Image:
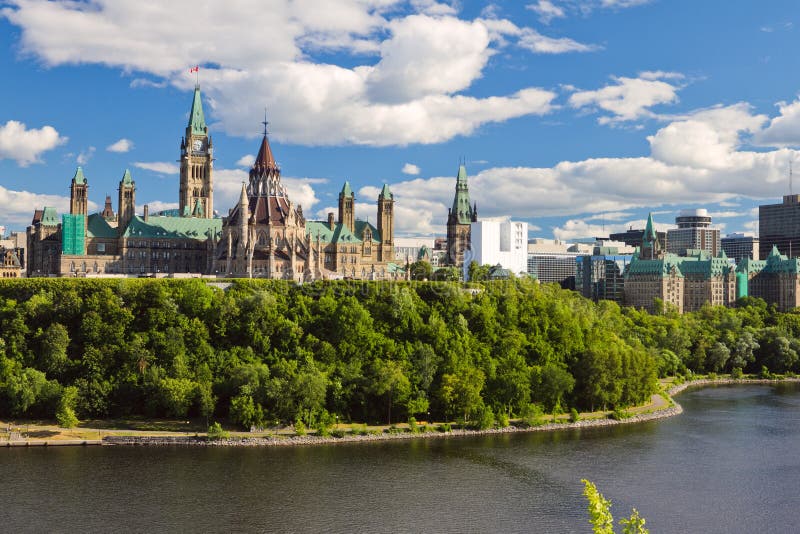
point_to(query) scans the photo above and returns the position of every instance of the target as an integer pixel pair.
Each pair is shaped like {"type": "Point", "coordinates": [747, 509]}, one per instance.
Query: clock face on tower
{"type": "Point", "coordinates": [197, 145]}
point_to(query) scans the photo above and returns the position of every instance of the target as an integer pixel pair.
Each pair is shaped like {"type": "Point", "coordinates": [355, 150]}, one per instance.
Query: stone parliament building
{"type": "Point", "coordinates": [265, 235]}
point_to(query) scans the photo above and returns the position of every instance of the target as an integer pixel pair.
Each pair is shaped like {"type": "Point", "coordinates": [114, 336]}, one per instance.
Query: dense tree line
{"type": "Point", "coordinates": [264, 351]}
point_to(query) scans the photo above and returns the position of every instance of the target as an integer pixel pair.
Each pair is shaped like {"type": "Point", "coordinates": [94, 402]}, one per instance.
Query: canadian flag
{"type": "Point", "coordinates": [196, 68]}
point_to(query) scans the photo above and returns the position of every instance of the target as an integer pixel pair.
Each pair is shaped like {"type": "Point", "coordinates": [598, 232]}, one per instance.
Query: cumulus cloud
{"type": "Point", "coordinates": [246, 161]}
{"type": "Point", "coordinates": [408, 89]}
{"type": "Point", "coordinates": [698, 159]}
{"type": "Point", "coordinates": [18, 206]}
{"type": "Point", "coordinates": [410, 168]}
{"type": "Point", "coordinates": [783, 130]}
{"type": "Point", "coordinates": [580, 228]}
{"type": "Point", "coordinates": [121, 146]}
{"type": "Point", "coordinates": [25, 146]}
{"type": "Point", "coordinates": [628, 99]}
{"type": "Point", "coordinates": [158, 167]}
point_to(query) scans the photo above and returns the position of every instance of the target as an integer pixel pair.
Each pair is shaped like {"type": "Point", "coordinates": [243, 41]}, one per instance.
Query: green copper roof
{"type": "Point", "coordinates": [462, 173]}
{"type": "Point", "coordinates": [126, 178]}
{"type": "Point", "coordinates": [49, 216]}
{"type": "Point", "coordinates": [96, 226]}
{"type": "Point", "coordinates": [340, 233]}
{"type": "Point", "coordinates": [79, 178]}
{"type": "Point", "coordinates": [661, 267]}
{"type": "Point", "coordinates": [385, 192]}
{"type": "Point", "coordinates": [346, 191]}
{"type": "Point", "coordinates": [461, 206]}
{"type": "Point", "coordinates": [197, 121]}
{"type": "Point", "coordinates": [650, 235]}
{"type": "Point", "coordinates": [173, 227]}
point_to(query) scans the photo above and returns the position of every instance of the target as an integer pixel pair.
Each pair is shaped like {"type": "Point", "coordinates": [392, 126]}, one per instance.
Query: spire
{"type": "Point", "coordinates": [197, 120]}
{"type": "Point", "coordinates": [346, 191]}
{"type": "Point", "coordinates": [126, 178]}
{"type": "Point", "coordinates": [462, 210]}
{"type": "Point", "coordinates": [650, 235]}
{"type": "Point", "coordinates": [243, 196]}
{"type": "Point", "coordinates": [79, 178]}
{"type": "Point", "coordinates": [385, 192]}
{"type": "Point", "coordinates": [265, 159]}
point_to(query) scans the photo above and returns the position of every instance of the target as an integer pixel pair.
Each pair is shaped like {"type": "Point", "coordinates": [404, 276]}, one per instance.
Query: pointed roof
{"type": "Point", "coordinates": [265, 159]}
{"type": "Point", "coordinates": [79, 178]}
{"type": "Point", "coordinates": [650, 235]}
{"type": "Point", "coordinates": [126, 178]}
{"type": "Point", "coordinates": [197, 120]}
{"type": "Point", "coordinates": [385, 192]}
{"type": "Point", "coordinates": [462, 173]}
{"type": "Point", "coordinates": [462, 208]}
{"type": "Point", "coordinates": [346, 191]}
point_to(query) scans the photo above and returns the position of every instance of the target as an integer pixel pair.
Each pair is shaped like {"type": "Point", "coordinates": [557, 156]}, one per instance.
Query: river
{"type": "Point", "coordinates": [728, 464]}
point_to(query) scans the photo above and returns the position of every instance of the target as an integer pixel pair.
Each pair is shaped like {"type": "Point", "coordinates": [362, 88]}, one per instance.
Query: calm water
{"type": "Point", "coordinates": [730, 463]}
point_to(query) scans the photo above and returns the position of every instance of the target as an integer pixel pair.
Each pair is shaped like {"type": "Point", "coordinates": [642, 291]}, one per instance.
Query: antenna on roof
{"type": "Point", "coordinates": [265, 123]}
{"type": "Point", "coordinates": [791, 192]}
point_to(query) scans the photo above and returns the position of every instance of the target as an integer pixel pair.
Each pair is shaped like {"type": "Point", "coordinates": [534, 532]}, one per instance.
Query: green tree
{"type": "Point", "coordinates": [65, 414]}
{"type": "Point", "coordinates": [461, 391]}
{"type": "Point", "coordinates": [391, 382]}
{"type": "Point", "coordinates": [600, 514]}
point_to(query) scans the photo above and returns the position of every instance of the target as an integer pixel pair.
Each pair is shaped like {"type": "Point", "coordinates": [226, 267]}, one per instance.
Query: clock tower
{"type": "Point", "coordinates": [196, 192]}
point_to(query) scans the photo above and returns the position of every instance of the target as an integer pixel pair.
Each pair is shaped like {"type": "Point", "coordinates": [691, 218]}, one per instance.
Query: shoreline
{"type": "Point", "coordinates": [671, 409]}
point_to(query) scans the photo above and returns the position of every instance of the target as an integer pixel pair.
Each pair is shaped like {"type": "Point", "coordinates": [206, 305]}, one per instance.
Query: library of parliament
{"type": "Point", "coordinates": [264, 235]}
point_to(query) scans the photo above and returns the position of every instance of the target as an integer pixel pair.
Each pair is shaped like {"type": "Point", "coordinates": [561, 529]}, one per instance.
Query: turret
{"type": "Point", "coordinates": [127, 200]}
{"type": "Point", "coordinates": [386, 223]}
{"type": "Point", "coordinates": [347, 202]}
{"type": "Point", "coordinates": [78, 194]}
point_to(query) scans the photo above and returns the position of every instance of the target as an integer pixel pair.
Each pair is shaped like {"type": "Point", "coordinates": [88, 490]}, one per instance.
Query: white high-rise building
{"type": "Point", "coordinates": [498, 242]}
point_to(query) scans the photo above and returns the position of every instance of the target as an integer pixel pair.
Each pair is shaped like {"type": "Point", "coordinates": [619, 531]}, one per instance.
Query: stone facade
{"type": "Point", "coordinates": [459, 219]}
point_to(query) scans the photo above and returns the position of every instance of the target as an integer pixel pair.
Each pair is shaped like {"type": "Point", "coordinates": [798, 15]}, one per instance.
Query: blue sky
{"type": "Point", "coordinates": [576, 116]}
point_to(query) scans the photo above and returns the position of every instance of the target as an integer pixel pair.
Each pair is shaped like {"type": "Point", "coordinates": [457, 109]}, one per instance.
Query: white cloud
{"type": "Point", "coordinates": [410, 168]}
{"type": "Point", "coordinates": [18, 206]}
{"type": "Point", "coordinates": [25, 146]}
{"type": "Point", "coordinates": [628, 99]}
{"type": "Point", "coordinates": [158, 205]}
{"type": "Point", "coordinates": [246, 161]}
{"type": "Point", "coordinates": [783, 130]}
{"type": "Point", "coordinates": [580, 228]}
{"type": "Point", "coordinates": [85, 155]}
{"type": "Point", "coordinates": [547, 11]}
{"type": "Point", "coordinates": [696, 160]}
{"type": "Point", "coordinates": [411, 93]}
{"type": "Point", "coordinates": [541, 44]}
{"type": "Point", "coordinates": [609, 216]}
{"type": "Point", "coordinates": [121, 146]}
{"type": "Point", "coordinates": [159, 167]}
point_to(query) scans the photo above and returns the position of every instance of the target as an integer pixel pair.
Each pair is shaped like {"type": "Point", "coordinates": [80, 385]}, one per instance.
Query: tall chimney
{"type": "Point", "coordinates": [331, 222]}
{"type": "Point", "coordinates": [146, 212]}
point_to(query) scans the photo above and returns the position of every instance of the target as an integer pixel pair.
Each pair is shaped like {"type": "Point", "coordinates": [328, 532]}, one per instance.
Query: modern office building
{"type": "Point", "coordinates": [553, 261]}
{"type": "Point", "coordinates": [693, 233]}
{"type": "Point", "coordinates": [601, 275]}
{"type": "Point", "coordinates": [779, 226]}
{"type": "Point", "coordinates": [740, 246]}
{"type": "Point", "coordinates": [498, 242]}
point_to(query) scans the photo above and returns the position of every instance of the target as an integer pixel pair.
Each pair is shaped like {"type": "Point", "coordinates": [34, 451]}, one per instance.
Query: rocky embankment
{"type": "Point", "coordinates": [284, 441]}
